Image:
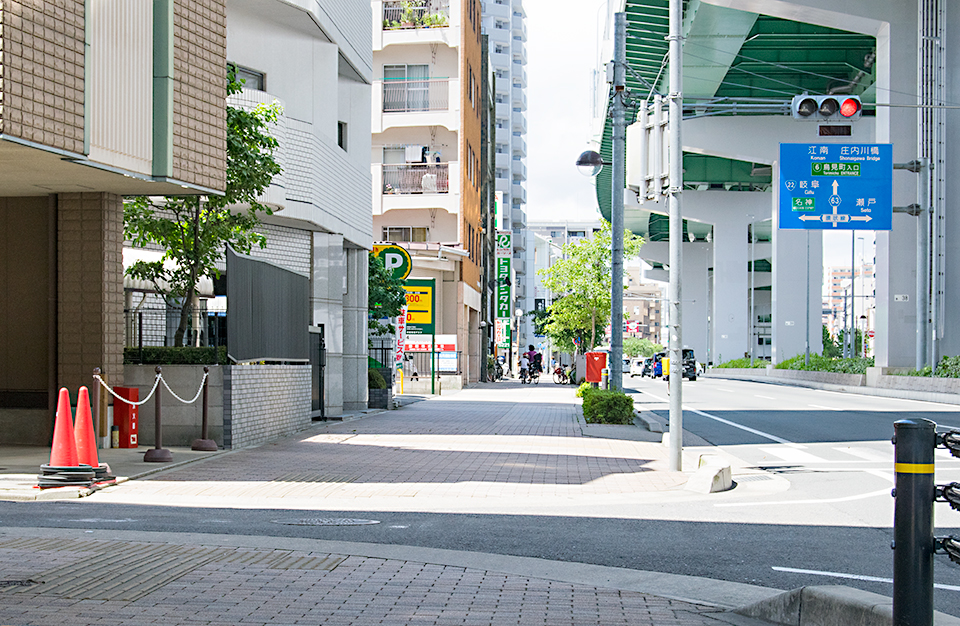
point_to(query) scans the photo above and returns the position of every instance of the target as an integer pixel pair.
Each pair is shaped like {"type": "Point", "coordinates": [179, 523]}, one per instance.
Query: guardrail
{"type": "Point", "coordinates": [407, 95]}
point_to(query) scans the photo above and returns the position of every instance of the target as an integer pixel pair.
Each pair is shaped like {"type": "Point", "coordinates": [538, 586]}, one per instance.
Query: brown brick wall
{"type": "Point", "coordinates": [90, 288]}
{"type": "Point", "coordinates": [470, 64]}
{"type": "Point", "coordinates": [199, 117]}
{"type": "Point", "coordinates": [41, 76]}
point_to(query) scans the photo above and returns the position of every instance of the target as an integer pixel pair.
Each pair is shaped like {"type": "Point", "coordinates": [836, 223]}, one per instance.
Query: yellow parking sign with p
{"type": "Point", "coordinates": [396, 259]}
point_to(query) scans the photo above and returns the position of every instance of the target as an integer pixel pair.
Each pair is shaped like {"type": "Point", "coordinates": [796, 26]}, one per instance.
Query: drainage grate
{"type": "Point", "coordinates": [18, 583]}
{"type": "Point", "coordinates": [753, 478]}
{"type": "Point", "coordinates": [326, 521]}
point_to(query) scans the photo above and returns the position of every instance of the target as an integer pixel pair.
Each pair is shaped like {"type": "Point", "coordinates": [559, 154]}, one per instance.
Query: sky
{"type": "Point", "coordinates": [562, 54]}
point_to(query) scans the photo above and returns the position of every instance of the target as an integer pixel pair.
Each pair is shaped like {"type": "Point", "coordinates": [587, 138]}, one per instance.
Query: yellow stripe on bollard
{"type": "Point", "coordinates": [913, 468]}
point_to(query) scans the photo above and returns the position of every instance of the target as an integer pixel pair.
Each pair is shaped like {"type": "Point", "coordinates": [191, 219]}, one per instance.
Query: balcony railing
{"type": "Point", "coordinates": [416, 178]}
{"type": "Point", "coordinates": [406, 95]}
{"type": "Point", "coordinates": [416, 14]}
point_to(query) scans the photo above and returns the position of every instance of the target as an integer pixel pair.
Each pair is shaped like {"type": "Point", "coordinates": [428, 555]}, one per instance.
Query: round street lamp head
{"type": "Point", "coordinates": [519, 312]}
{"type": "Point", "coordinates": [590, 163]}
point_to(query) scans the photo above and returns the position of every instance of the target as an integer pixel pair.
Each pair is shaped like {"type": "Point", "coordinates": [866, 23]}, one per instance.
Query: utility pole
{"type": "Point", "coordinates": [676, 235]}
{"type": "Point", "coordinates": [618, 112]}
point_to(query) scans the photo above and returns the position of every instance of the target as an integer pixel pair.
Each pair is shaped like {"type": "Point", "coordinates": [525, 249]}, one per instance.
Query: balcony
{"type": "Point", "coordinates": [503, 110]}
{"type": "Point", "coordinates": [416, 178]}
{"type": "Point", "coordinates": [519, 121]}
{"type": "Point", "coordinates": [520, 97]}
{"type": "Point", "coordinates": [519, 266]}
{"type": "Point", "coordinates": [518, 168]}
{"type": "Point", "coordinates": [416, 186]}
{"type": "Point", "coordinates": [519, 218]}
{"type": "Point", "coordinates": [415, 14]}
{"type": "Point", "coordinates": [519, 193]}
{"type": "Point", "coordinates": [519, 146]}
{"type": "Point", "coordinates": [406, 95]}
{"type": "Point", "coordinates": [519, 27]}
{"type": "Point", "coordinates": [504, 161]}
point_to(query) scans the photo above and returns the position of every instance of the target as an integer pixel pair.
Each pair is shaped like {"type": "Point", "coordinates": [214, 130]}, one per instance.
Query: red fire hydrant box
{"type": "Point", "coordinates": [127, 416]}
{"type": "Point", "coordinates": [596, 361]}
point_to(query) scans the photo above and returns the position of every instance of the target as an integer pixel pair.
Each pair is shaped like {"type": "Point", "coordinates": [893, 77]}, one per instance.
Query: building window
{"type": "Point", "coordinates": [251, 79]}
{"type": "Point", "coordinates": [342, 135]}
{"type": "Point", "coordinates": [405, 233]}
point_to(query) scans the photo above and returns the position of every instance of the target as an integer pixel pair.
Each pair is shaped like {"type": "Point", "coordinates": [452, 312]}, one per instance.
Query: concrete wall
{"type": "Point", "coordinates": [181, 422]}
{"type": "Point", "coordinates": [264, 402]}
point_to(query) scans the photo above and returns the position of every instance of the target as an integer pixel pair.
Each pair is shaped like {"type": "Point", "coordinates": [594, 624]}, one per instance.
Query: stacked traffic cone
{"type": "Point", "coordinates": [64, 468]}
{"type": "Point", "coordinates": [86, 439]}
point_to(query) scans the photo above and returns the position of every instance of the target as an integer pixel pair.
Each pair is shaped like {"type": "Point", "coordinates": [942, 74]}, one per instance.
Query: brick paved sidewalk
{"type": "Point", "coordinates": [57, 581]}
{"type": "Point", "coordinates": [506, 443]}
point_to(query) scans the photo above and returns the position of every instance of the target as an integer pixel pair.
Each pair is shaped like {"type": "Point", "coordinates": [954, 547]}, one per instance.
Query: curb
{"type": "Point", "coordinates": [830, 605]}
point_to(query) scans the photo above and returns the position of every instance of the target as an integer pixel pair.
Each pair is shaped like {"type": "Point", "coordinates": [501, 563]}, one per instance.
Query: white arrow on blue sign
{"type": "Point", "coordinates": [836, 186]}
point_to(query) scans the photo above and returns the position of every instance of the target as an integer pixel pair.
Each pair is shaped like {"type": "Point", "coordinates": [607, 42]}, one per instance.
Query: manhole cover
{"type": "Point", "coordinates": [326, 521]}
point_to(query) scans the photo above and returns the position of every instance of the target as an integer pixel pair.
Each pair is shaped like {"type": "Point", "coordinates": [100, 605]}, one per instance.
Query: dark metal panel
{"type": "Point", "coordinates": [268, 311]}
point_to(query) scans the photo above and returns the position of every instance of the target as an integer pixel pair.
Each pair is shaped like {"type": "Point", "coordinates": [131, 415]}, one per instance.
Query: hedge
{"type": "Point", "coordinates": [166, 355]}
{"type": "Point", "coordinates": [607, 406]}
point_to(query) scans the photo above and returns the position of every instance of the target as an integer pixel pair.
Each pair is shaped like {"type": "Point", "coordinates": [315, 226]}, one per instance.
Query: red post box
{"type": "Point", "coordinates": [596, 361]}
{"type": "Point", "coordinates": [127, 416]}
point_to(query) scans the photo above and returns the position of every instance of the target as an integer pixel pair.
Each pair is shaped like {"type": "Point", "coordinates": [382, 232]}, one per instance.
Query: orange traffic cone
{"type": "Point", "coordinates": [64, 450]}
{"type": "Point", "coordinates": [86, 439]}
{"type": "Point", "coordinates": [83, 431]}
{"type": "Point", "coordinates": [64, 469]}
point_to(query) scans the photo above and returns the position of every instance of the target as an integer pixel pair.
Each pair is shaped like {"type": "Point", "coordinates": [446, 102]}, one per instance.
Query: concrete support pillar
{"type": "Point", "coordinates": [89, 288]}
{"type": "Point", "coordinates": [696, 305]}
{"type": "Point", "coordinates": [355, 331]}
{"type": "Point", "coordinates": [329, 283]}
{"type": "Point", "coordinates": [788, 297]}
{"type": "Point", "coordinates": [728, 320]}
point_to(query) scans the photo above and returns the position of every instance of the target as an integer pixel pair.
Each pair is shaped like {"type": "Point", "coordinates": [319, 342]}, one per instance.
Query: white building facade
{"type": "Point", "coordinates": [317, 63]}
{"type": "Point", "coordinates": [504, 21]}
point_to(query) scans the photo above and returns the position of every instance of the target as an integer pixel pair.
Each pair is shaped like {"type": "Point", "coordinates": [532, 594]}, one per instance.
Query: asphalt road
{"type": "Point", "coordinates": [825, 518]}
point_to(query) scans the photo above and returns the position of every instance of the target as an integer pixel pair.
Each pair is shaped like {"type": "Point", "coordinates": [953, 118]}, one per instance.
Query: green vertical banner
{"type": "Point", "coordinates": [504, 252]}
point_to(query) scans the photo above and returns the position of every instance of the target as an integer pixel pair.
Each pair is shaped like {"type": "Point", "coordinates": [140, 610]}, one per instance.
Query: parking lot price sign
{"type": "Point", "coordinates": [836, 186]}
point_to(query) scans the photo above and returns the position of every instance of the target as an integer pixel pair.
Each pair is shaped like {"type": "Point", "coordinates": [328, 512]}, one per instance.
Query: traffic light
{"type": "Point", "coordinates": [826, 108]}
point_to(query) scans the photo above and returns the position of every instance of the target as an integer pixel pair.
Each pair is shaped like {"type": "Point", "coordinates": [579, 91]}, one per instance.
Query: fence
{"type": "Point", "coordinates": [402, 95]}
{"type": "Point", "coordinates": [157, 327]}
{"type": "Point", "coordinates": [418, 178]}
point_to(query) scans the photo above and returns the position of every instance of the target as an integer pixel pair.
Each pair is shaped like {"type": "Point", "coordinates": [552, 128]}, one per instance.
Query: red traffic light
{"type": "Point", "coordinates": [850, 107]}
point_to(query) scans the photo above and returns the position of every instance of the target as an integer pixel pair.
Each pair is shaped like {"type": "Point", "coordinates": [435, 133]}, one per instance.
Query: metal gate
{"type": "Point", "coordinates": [318, 361]}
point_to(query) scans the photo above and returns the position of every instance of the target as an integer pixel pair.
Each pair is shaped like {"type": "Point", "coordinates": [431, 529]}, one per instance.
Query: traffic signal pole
{"type": "Point", "coordinates": [618, 113]}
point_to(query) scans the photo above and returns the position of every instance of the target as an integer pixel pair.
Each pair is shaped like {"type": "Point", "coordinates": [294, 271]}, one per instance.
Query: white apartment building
{"type": "Point", "coordinates": [425, 156]}
{"type": "Point", "coordinates": [317, 63]}
{"type": "Point", "coordinates": [504, 21]}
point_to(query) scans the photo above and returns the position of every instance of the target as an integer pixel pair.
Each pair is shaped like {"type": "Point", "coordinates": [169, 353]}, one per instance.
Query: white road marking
{"type": "Point", "coordinates": [734, 424]}
{"type": "Point", "coordinates": [828, 408]}
{"type": "Point", "coordinates": [727, 390]}
{"type": "Point", "coordinates": [862, 496]}
{"type": "Point", "coordinates": [871, 579]}
{"type": "Point", "coordinates": [757, 395]}
{"type": "Point", "coordinates": [792, 455]}
{"type": "Point", "coordinates": [868, 455]}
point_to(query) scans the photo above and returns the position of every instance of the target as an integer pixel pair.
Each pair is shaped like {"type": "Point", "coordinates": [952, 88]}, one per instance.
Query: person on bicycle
{"type": "Point", "coordinates": [531, 355]}
{"type": "Point", "coordinates": [524, 368]}
{"type": "Point", "coordinates": [537, 363]}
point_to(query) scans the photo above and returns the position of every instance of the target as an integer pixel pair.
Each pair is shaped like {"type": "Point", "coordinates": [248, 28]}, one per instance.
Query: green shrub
{"type": "Point", "coordinates": [819, 363]}
{"type": "Point", "coordinates": [584, 388]}
{"type": "Point", "coordinates": [607, 406]}
{"type": "Point", "coordinates": [375, 380]}
{"type": "Point", "coordinates": [949, 367]}
{"type": "Point", "coordinates": [165, 355]}
{"type": "Point", "coordinates": [741, 363]}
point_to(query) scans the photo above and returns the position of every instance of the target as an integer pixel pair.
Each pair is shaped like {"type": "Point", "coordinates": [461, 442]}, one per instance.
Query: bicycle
{"type": "Point", "coordinates": [497, 374]}
{"type": "Point", "coordinates": [534, 376]}
{"type": "Point", "coordinates": [560, 376]}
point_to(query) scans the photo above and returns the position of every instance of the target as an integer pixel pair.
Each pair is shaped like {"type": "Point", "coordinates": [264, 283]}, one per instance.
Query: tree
{"type": "Point", "coordinates": [386, 296]}
{"type": "Point", "coordinates": [583, 277]}
{"type": "Point", "coordinates": [830, 348]}
{"type": "Point", "coordinates": [195, 230]}
{"type": "Point", "coordinates": [640, 347]}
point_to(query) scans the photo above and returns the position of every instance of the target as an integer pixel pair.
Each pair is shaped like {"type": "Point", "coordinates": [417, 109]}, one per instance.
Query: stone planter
{"type": "Point", "coordinates": [380, 398]}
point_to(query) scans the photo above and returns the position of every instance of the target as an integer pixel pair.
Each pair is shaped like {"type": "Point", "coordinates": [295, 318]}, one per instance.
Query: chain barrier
{"type": "Point", "coordinates": [156, 383]}
{"type": "Point", "coordinates": [199, 391]}
{"type": "Point", "coordinates": [949, 493]}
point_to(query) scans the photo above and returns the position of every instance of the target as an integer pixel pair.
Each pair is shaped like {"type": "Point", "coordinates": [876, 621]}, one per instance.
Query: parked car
{"type": "Point", "coordinates": [626, 366]}
{"type": "Point", "coordinates": [636, 366]}
{"type": "Point", "coordinates": [689, 364]}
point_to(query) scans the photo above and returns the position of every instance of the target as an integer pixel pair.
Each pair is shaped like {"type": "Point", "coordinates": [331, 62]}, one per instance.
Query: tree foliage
{"type": "Point", "coordinates": [583, 279]}
{"type": "Point", "coordinates": [633, 347]}
{"type": "Point", "coordinates": [386, 296]}
{"type": "Point", "coordinates": [195, 230]}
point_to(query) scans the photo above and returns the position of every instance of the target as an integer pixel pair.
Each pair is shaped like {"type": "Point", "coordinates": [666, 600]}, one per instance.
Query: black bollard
{"type": "Point", "coordinates": [913, 542]}
{"type": "Point", "coordinates": [203, 444]}
{"type": "Point", "coordinates": [157, 454]}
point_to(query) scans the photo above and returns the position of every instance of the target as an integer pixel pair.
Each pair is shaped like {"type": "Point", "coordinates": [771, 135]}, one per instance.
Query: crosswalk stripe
{"type": "Point", "coordinates": [792, 455]}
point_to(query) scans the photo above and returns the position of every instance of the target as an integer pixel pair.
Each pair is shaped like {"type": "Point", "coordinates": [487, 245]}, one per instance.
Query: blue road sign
{"type": "Point", "coordinates": [836, 186]}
